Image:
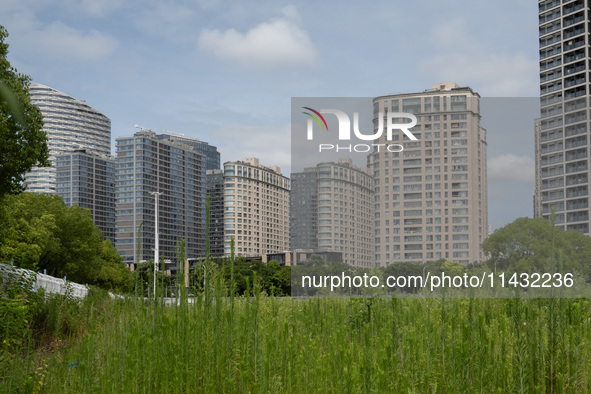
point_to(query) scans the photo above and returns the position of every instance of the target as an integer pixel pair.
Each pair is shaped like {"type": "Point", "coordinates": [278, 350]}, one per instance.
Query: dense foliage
{"type": "Point", "coordinates": [24, 143]}
{"type": "Point", "coordinates": [35, 326]}
{"type": "Point", "coordinates": [271, 277]}
{"type": "Point", "coordinates": [534, 245]}
{"type": "Point", "coordinates": [40, 233]}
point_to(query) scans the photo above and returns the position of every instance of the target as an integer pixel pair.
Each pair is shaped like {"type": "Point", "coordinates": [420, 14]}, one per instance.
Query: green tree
{"type": "Point", "coordinates": [453, 268]}
{"type": "Point", "coordinates": [405, 269]}
{"type": "Point", "coordinates": [534, 245]}
{"type": "Point", "coordinates": [112, 273]}
{"type": "Point", "coordinates": [29, 229]}
{"type": "Point", "coordinates": [40, 232]}
{"type": "Point", "coordinates": [24, 143]}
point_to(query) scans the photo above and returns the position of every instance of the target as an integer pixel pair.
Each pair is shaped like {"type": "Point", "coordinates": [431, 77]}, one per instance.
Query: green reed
{"type": "Point", "coordinates": [265, 344]}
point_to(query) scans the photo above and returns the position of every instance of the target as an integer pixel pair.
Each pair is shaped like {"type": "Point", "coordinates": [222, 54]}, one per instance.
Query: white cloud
{"type": "Point", "coordinates": [511, 167]}
{"type": "Point", "coordinates": [275, 43]}
{"type": "Point", "coordinates": [60, 39]}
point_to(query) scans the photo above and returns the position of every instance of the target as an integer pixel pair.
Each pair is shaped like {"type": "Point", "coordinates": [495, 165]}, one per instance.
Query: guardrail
{"type": "Point", "coordinates": [41, 281]}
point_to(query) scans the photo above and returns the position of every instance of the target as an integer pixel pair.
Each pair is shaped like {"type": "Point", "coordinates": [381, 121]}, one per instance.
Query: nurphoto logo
{"type": "Point", "coordinates": [344, 130]}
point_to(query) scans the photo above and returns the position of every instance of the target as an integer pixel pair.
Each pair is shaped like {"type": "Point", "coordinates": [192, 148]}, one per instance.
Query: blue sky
{"type": "Point", "coordinates": [225, 71]}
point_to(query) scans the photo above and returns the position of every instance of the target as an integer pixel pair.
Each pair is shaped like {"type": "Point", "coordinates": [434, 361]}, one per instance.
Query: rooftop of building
{"type": "Point", "coordinates": [87, 152]}
{"type": "Point", "coordinates": [342, 162]}
{"type": "Point", "coordinates": [444, 87]}
{"type": "Point", "coordinates": [254, 162]}
{"type": "Point", "coordinates": [145, 132]}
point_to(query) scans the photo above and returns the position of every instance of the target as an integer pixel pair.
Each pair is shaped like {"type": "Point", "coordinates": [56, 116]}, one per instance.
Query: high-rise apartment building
{"type": "Point", "coordinates": [563, 143]}
{"type": "Point", "coordinates": [148, 164]}
{"type": "Point", "coordinates": [537, 156]}
{"type": "Point", "coordinates": [215, 191]}
{"type": "Point", "coordinates": [431, 198]}
{"type": "Point", "coordinates": [256, 208]}
{"type": "Point", "coordinates": [331, 209]}
{"type": "Point", "coordinates": [87, 179]}
{"type": "Point", "coordinates": [212, 156]}
{"type": "Point", "coordinates": [303, 210]}
{"type": "Point", "coordinates": [70, 124]}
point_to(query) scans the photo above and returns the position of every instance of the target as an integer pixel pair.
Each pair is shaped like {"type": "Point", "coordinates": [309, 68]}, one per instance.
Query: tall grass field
{"type": "Point", "coordinates": [263, 344]}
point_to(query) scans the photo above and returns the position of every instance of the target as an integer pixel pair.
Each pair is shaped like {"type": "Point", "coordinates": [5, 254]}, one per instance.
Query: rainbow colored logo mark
{"type": "Point", "coordinates": [315, 118]}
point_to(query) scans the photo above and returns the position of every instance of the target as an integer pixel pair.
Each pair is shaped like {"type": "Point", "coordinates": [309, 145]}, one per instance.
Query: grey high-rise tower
{"type": "Point", "coordinates": [331, 210]}
{"type": "Point", "coordinates": [212, 156]}
{"type": "Point", "coordinates": [215, 190]}
{"type": "Point", "coordinates": [87, 179]}
{"type": "Point", "coordinates": [148, 164]}
{"type": "Point", "coordinates": [562, 141]}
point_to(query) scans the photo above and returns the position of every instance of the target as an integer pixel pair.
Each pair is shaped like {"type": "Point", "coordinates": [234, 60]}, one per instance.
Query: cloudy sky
{"type": "Point", "coordinates": [225, 71]}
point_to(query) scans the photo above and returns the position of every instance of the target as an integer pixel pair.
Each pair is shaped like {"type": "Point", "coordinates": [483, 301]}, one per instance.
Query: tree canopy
{"type": "Point", "coordinates": [528, 245]}
{"type": "Point", "coordinates": [24, 143]}
{"type": "Point", "coordinates": [40, 232]}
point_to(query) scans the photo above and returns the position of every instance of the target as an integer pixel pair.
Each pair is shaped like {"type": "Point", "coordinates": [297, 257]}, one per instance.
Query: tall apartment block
{"type": "Point", "coordinates": [147, 164]}
{"type": "Point", "coordinates": [563, 144]}
{"type": "Point", "coordinates": [331, 208]}
{"type": "Point", "coordinates": [212, 156]}
{"type": "Point", "coordinates": [537, 156]}
{"type": "Point", "coordinates": [215, 191]}
{"type": "Point", "coordinates": [70, 124]}
{"type": "Point", "coordinates": [431, 198]}
{"type": "Point", "coordinates": [256, 208]}
{"type": "Point", "coordinates": [87, 179]}
{"type": "Point", "coordinates": [303, 210]}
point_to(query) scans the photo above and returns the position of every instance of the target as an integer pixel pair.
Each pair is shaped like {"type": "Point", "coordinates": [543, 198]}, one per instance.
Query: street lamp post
{"type": "Point", "coordinates": [156, 195]}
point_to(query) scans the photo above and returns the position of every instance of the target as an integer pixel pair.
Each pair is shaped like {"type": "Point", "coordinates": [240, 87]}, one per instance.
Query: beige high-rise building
{"type": "Point", "coordinates": [332, 211]}
{"type": "Point", "coordinates": [256, 208]}
{"type": "Point", "coordinates": [431, 198]}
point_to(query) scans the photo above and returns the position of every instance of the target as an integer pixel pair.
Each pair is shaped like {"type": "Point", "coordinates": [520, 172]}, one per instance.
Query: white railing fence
{"type": "Point", "coordinates": [42, 281]}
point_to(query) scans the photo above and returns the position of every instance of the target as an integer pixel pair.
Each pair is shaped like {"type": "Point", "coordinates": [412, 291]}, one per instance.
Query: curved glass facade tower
{"type": "Point", "coordinates": [70, 124]}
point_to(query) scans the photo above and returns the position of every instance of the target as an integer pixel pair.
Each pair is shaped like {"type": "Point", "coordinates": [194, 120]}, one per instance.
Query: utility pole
{"type": "Point", "coordinates": [156, 195]}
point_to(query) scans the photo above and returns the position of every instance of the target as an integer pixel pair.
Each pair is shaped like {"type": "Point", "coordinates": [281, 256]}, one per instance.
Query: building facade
{"type": "Point", "coordinates": [303, 210]}
{"type": "Point", "coordinates": [537, 159]}
{"type": "Point", "coordinates": [70, 124]}
{"type": "Point", "coordinates": [431, 198]}
{"type": "Point", "coordinates": [563, 144]}
{"type": "Point", "coordinates": [256, 208]}
{"type": "Point", "coordinates": [215, 192]}
{"type": "Point", "coordinates": [148, 164]}
{"type": "Point", "coordinates": [331, 207]}
{"type": "Point", "coordinates": [87, 179]}
{"type": "Point", "coordinates": [212, 156]}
